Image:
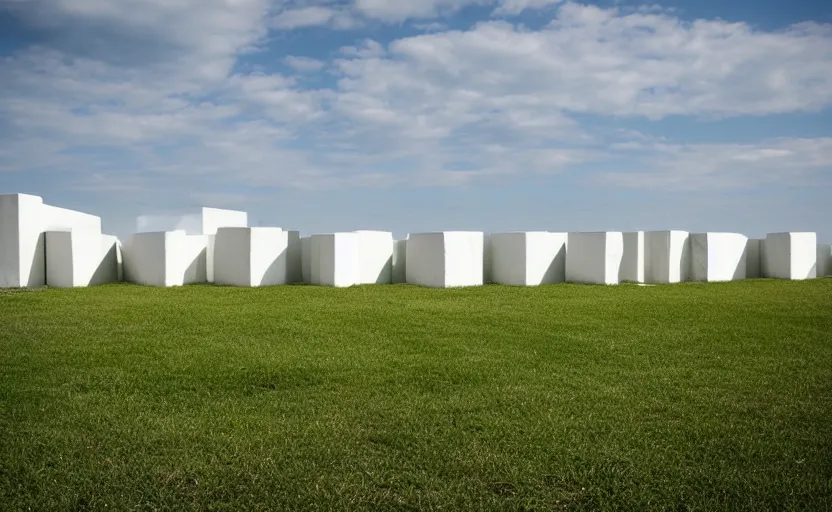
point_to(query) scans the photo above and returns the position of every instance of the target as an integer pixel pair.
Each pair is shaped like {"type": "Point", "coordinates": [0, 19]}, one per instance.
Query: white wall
{"type": "Point", "coordinates": [60, 219]}
{"type": "Point", "coordinates": [463, 258]}
{"type": "Point", "coordinates": [23, 220]}
{"type": "Point", "coordinates": [667, 256]}
{"type": "Point", "coordinates": [790, 255]}
{"type": "Point", "coordinates": [306, 258]}
{"type": "Point", "coordinates": [633, 261]}
{"type": "Point", "coordinates": [753, 259]}
{"type": "Point", "coordinates": [487, 259]}
{"type": "Point", "coordinates": [718, 256]}
{"type": "Point", "coordinates": [375, 254]}
{"type": "Point", "coordinates": [824, 258]}
{"type": "Point", "coordinates": [529, 258]}
{"type": "Point", "coordinates": [251, 256]}
{"type": "Point", "coordinates": [145, 259]}
{"type": "Point", "coordinates": [294, 255]}
{"type": "Point", "coordinates": [187, 258]}
{"type": "Point", "coordinates": [81, 258]}
{"type": "Point", "coordinates": [171, 258]}
{"type": "Point", "coordinates": [444, 260]}
{"type": "Point", "coordinates": [270, 257]}
{"type": "Point", "coordinates": [335, 259]}
{"type": "Point", "coordinates": [22, 258]}
{"type": "Point", "coordinates": [426, 259]}
{"type": "Point", "coordinates": [546, 257]}
{"type": "Point", "coordinates": [232, 257]}
{"type": "Point", "coordinates": [594, 258]}
{"type": "Point", "coordinates": [399, 272]}
{"type": "Point", "coordinates": [508, 258]}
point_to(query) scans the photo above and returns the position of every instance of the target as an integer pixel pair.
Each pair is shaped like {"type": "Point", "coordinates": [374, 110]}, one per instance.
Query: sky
{"type": "Point", "coordinates": [428, 115]}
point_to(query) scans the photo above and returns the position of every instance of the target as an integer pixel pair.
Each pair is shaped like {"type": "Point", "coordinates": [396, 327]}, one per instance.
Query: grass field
{"type": "Point", "coordinates": [681, 397]}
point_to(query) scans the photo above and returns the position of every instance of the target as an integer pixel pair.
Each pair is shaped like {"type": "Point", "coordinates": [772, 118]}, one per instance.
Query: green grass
{"type": "Point", "coordinates": [680, 397]}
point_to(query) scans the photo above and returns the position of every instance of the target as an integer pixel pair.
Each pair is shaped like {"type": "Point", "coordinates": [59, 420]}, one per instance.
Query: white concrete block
{"type": "Point", "coordinates": [633, 261]}
{"type": "Point", "coordinates": [594, 258]}
{"type": "Point", "coordinates": [22, 257]}
{"type": "Point", "coordinates": [487, 259]}
{"type": "Point", "coordinates": [145, 256]}
{"type": "Point", "coordinates": [306, 258]}
{"type": "Point", "coordinates": [399, 274]}
{"type": "Point", "coordinates": [191, 259]}
{"type": "Point", "coordinates": [529, 258]}
{"type": "Point", "coordinates": [824, 267]}
{"type": "Point", "coordinates": [335, 260]}
{"type": "Point", "coordinates": [23, 220]}
{"type": "Point", "coordinates": [446, 259]}
{"type": "Point", "coordinates": [251, 257]}
{"type": "Point", "coordinates": [61, 219]}
{"type": "Point", "coordinates": [718, 256]}
{"type": "Point", "coordinates": [171, 258]}
{"type": "Point", "coordinates": [375, 255]}
{"type": "Point", "coordinates": [294, 262]}
{"type": "Point", "coordinates": [667, 256]}
{"type": "Point", "coordinates": [81, 258]}
{"type": "Point", "coordinates": [790, 255]}
{"type": "Point", "coordinates": [753, 258]}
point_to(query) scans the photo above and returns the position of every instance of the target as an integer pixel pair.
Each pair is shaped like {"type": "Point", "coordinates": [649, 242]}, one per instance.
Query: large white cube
{"type": "Point", "coordinates": [170, 258]}
{"type": "Point", "coordinates": [22, 259]}
{"type": "Point", "coordinates": [399, 274]}
{"type": "Point", "coordinates": [335, 259]}
{"type": "Point", "coordinates": [718, 256]}
{"type": "Point", "coordinates": [667, 256]}
{"type": "Point", "coordinates": [445, 260]}
{"type": "Point", "coordinates": [594, 258]}
{"type": "Point", "coordinates": [251, 256]}
{"type": "Point", "coordinates": [824, 267]}
{"type": "Point", "coordinates": [753, 258]}
{"type": "Point", "coordinates": [633, 261]}
{"type": "Point", "coordinates": [203, 221]}
{"type": "Point", "coordinates": [375, 255]}
{"type": "Point", "coordinates": [306, 258]}
{"type": "Point", "coordinates": [81, 258]}
{"type": "Point", "coordinates": [790, 256]}
{"type": "Point", "coordinates": [61, 219]}
{"type": "Point", "coordinates": [528, 258]}
{"type": "Point", "coordinates": [23, 220]}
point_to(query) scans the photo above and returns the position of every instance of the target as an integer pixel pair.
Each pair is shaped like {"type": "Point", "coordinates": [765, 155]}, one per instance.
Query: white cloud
{"type": "Point", "coordinates": [304, 64]}
{"type": "Point", "coordinates": [443, 108]}
{"type": "Point", "coordinates": [305, 17]}
{"type": "Point", "coordinates": [401, 10]}
{"type": "Point", "coordinates": [340, 18]}
{"type": "Point", "coordinates": [512, 7]}
{"type": "Point", "coordinates": [677, 166]}
{"type": "Point", "coordinates": [144, 32]}
{"type": "Point", "coordinates": [595, 61]}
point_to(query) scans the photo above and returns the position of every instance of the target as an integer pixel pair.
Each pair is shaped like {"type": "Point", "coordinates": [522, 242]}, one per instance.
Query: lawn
{"type": "Point", "coordinates": [684, 397]}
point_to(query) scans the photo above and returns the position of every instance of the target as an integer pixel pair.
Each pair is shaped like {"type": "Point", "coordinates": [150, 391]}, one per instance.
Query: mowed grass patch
{"type": "Point", "coordinates": [684, 397]}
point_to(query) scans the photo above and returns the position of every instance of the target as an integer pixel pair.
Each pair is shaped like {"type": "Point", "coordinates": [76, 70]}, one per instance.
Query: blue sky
{"type": "Point", "coordinates": [494, 115]}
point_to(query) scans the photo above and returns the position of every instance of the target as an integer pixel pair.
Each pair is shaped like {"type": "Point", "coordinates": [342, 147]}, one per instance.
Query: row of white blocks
{"type": "Point", "coordinates": [268, 256]}
{"type": "Point", "coordinates": [42, 244]}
